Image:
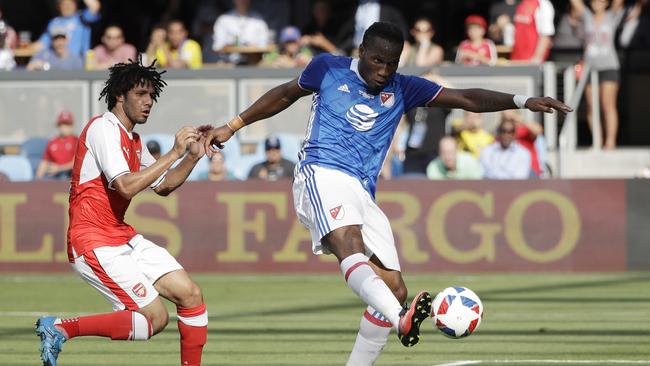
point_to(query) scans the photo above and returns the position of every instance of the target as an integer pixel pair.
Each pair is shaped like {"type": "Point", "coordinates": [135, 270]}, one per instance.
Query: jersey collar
{"type": "Point", "coordinates": [354, 66]}
{"type": "Point", "coordinates": [113, 119]}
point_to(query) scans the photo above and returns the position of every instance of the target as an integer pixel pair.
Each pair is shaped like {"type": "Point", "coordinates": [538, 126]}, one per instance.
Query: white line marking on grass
{"type": "Point", "coordinates": [551, 362]}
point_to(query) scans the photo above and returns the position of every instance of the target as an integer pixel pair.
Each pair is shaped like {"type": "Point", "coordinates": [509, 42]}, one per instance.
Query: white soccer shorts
{"type": "Point", "coordinates": [327, 199]}
{"type": "Point", "coordinates": [125, 274]}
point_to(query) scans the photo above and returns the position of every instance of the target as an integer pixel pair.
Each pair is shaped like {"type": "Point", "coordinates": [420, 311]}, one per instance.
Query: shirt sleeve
{"type": "Point", "coordinates": [313, 75]}
{"type": "Point", "coordinates": [418, 92]}
{"type": "Point", "coordinates": [191, 54]}
{"type": "Point", "coordinates": [88, 17]}
{"type": "Point", "coordinates": [544, 18]}
{"type": "Point", "coordinates": [146, 160]}
{"type": "Point", "coordinates": [103, 141]}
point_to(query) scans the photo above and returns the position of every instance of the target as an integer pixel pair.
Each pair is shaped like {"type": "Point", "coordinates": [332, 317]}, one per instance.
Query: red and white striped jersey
{"type": "Point", "coordinates": [106, 150]}
{"type": "Point", "coordinates": [486, 49]}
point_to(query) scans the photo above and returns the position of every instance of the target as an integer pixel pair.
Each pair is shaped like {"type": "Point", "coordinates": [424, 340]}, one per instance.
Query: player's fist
{"type": "Point", "coordinates": [184, 137]}
{"type": "Point", "coordinates": [547, 105]}
{"type": "Point", "coordinates": [215, 139]}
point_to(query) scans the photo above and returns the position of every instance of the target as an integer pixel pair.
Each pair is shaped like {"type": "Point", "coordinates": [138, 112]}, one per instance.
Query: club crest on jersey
{"type": "Point", "coordinates": [361, 117]}
{"type": "Point", "coordinates": [139, 290]}
{"type": "Point", "coordinates": [387, 99]}
{"type": "Point", "coordinates": [126, 151]}
{"type": "Point", "coordinates": [338, 212]}
{"type": "Point", "coordinates": [139, 154]}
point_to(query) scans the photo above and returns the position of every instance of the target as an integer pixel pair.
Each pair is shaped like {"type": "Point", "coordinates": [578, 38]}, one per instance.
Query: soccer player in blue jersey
{"type": "Point", "coordinates": [357, 104]}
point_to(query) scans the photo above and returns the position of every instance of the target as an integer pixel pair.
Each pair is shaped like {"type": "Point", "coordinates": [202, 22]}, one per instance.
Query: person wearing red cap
{"type": "Point", "coordinates": [59, 154]}
{"type": "Point", "coordinates": [476, 50]}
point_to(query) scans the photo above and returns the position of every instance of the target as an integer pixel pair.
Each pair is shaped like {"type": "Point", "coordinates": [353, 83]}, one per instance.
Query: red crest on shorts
{"type": "Point", "coordinates": [337, 212]}
{"type": "Point", "coordinates": [139, 290]}
{"type": "Point", "coordinates": [387, 99]}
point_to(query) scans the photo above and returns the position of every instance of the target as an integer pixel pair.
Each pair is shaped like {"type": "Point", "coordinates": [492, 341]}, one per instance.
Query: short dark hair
{"type": "Point", "coordinates": [125, 76]}
{"type": "Point", "coordinates": [385, 31]}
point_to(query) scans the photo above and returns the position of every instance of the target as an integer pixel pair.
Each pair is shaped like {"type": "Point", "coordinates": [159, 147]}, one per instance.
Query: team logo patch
{"type": "Point", "coordinates": [361, 117]}
{"type": "Point", "coordinates": [387, 99]}
{"type": "Point", "coordinates": [138, 153]}
{"type": "Point", "coordinates": [338, 212]}
{"type": "Point", "coordinates": [139, 290]}
{"type": "Point", "coordinates": [344, 88]}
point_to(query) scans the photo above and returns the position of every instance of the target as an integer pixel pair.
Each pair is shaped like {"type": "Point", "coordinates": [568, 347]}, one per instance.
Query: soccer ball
{"type": "Point", "coordinates": [457, 312]}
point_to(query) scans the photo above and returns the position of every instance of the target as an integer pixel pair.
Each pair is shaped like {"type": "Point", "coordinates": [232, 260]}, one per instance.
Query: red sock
{"type": "Point", "coordinates": [119, 325]}
{"type": "Point", "coordinates": [193, 327]}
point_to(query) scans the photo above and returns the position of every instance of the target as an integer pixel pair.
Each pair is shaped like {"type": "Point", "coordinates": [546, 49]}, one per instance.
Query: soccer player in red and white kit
{"type": "Point", "coordinates": [111, 166]}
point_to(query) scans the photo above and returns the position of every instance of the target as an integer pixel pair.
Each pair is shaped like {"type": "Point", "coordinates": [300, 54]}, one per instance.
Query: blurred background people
{"type": "Point", "coordinates": [476, 49]}
{"type": "Point", "coordinates": [58, 157]}
{"type": "Point", "coordinates": [534, 29]}
{"type": "Point", "coordinates": [154, 149]}
{"type": "Point", "coordinates": [502, 28]}
{"type": "Point", "coordinates": [11, 37]}
{"type": "Point", "coordinates": [570, 31]}
{"type": "Point", "coordinates": [218, 171]}
{"type": "Point", "coordinates": [179, 52]}
{"type": "Point", "coordinates": [7, 62]}
{"type": "Point", "coordinates": [505, 158]}
{"type": "Point", "coordinates": [291, 53]}
{"type": "Point", "coordinates": [56, 57]}
{"type": "Point", "coordinates": [423, 52]}
{"type": "Point", "coordinates": [112, 50]}
{"type": "Point", "coordinates": [527, 135]}
{"type": "Point", "coordinates": [275, 166]}
{"type": "Point", "coordinates": [76, 25]}
{"type": "Point", "coordinates": [472, 137]}
{"type": "Point", "coordinates": [453, 164]}
{"type": "Point", "coordinates": [322, 33]}
{"type": "Point", "coordinates": [240, 27]}
{"type": "Point", "coordinates": [600, 28]}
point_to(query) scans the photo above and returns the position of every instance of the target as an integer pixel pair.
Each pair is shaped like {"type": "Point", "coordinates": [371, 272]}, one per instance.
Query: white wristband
{"type": "Point", "coordinates": [520, 101]}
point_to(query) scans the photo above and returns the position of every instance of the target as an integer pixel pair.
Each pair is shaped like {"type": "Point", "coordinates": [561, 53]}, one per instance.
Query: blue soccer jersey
{"type": "Point", "coordinates": [350, 129]}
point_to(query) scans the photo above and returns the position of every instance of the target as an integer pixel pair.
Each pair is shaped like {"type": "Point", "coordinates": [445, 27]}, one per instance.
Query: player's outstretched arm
{"type": "Point", "coordinates": [128, 185]}
{"type": "Point", "coordinates": [271, 103]}
{"type": "Point", "coordinates": [482, 100]}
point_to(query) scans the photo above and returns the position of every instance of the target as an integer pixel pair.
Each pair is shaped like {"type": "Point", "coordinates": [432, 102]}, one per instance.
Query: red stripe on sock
{"type": "Point", "coordinates": [190, 312]}
{"type": "Point", "coordinates": [375, 321]}
{"type": "Point", "coordinates": [98, 270]}
{"type": "Point", "coordinates": [355, 266]}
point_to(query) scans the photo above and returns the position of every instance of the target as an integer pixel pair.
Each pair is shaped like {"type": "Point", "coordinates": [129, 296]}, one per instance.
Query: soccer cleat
{"type": "Point", "coordinates": [411, 318]}
{"type": "Point", "coordinates": [51, 340]}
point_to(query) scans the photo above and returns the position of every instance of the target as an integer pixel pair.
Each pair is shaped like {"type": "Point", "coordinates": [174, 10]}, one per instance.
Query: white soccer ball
{"type": "Point", "coordinates": [457, 312]}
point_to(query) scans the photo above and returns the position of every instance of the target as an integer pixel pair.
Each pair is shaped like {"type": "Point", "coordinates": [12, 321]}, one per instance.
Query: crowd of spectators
{"type": "Point", "coordinates": [242, 36]}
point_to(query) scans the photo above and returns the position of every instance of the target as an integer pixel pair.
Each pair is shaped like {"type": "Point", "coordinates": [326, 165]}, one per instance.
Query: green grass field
{"type": "Point", "coordinates": [540, 319]}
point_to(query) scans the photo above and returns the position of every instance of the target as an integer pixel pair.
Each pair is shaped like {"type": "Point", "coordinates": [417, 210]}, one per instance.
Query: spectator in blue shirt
{"type": "Point", "coordinates": [76, 24]}
{"type": "Point", "coordinates": [505, 158]}
{"type": "Point", "coordinates": [57, 57]}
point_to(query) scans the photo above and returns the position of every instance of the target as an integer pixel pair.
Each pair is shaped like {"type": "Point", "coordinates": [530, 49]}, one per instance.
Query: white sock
{"type": "Point", "coordinates": [369, 287]}
{"type": "Point", "coordinates": [141, 327]}
{"type": "Point", "coordinates": [373, 334]}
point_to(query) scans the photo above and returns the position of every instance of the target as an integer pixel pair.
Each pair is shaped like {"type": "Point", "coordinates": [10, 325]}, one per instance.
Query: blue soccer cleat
{"type": "Point", "coordinates": [51, 340]}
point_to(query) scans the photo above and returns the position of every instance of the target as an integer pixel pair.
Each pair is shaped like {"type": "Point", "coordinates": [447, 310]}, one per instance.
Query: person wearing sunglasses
{"type": "Point", "coordinates": [505, 158]}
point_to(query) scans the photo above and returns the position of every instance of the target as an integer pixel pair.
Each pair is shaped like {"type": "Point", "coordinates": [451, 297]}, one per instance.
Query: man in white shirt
{"type": "Point", "coordinates": [505, 158]}
{"type": "Point", "coordinates": [240, 27]}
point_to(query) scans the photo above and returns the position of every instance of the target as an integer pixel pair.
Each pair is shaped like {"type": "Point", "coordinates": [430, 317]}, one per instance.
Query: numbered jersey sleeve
{"type": "Point", "coordinates": [103, 141]}
{"type": "Point", "coordinates": [418, 92]}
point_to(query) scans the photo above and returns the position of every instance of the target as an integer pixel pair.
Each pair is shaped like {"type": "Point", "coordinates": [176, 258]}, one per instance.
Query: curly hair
{"type": "Point", "coordinates": [125, 76]}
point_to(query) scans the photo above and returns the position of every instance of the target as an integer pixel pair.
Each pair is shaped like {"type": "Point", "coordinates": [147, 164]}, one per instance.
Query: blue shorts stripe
{"type": "Point", "coordinates": [320, 203]}
{"type": "Point", "coordinates": [314, 203]}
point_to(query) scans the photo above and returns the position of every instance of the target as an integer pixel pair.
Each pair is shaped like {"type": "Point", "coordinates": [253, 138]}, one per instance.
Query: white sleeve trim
{"type": "Point", "coordinates": [544, 18]}
{"type": "Point", "coordinates": [104, 142]}
{"type": "Point", "coordinates": [435, 95]}
{"type": "Point", "coordinates": [110, 182]}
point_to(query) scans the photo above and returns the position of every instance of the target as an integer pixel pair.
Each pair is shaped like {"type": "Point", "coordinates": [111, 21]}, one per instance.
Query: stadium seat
{"type": "Point", "coordinates": [33, 150]}
{"type": "Point", "coordinates": [16, 167]}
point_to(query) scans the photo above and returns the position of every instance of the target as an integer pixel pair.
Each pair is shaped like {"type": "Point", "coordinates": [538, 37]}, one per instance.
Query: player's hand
{"type": "Point", "coordinates": [547, 105]}
{"type": "Point", "coordinates": [216, 138]}
{"type": "Point", "coordinates": [184, 137]}
{"type": "Point", "coordinates": [197, 149]}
